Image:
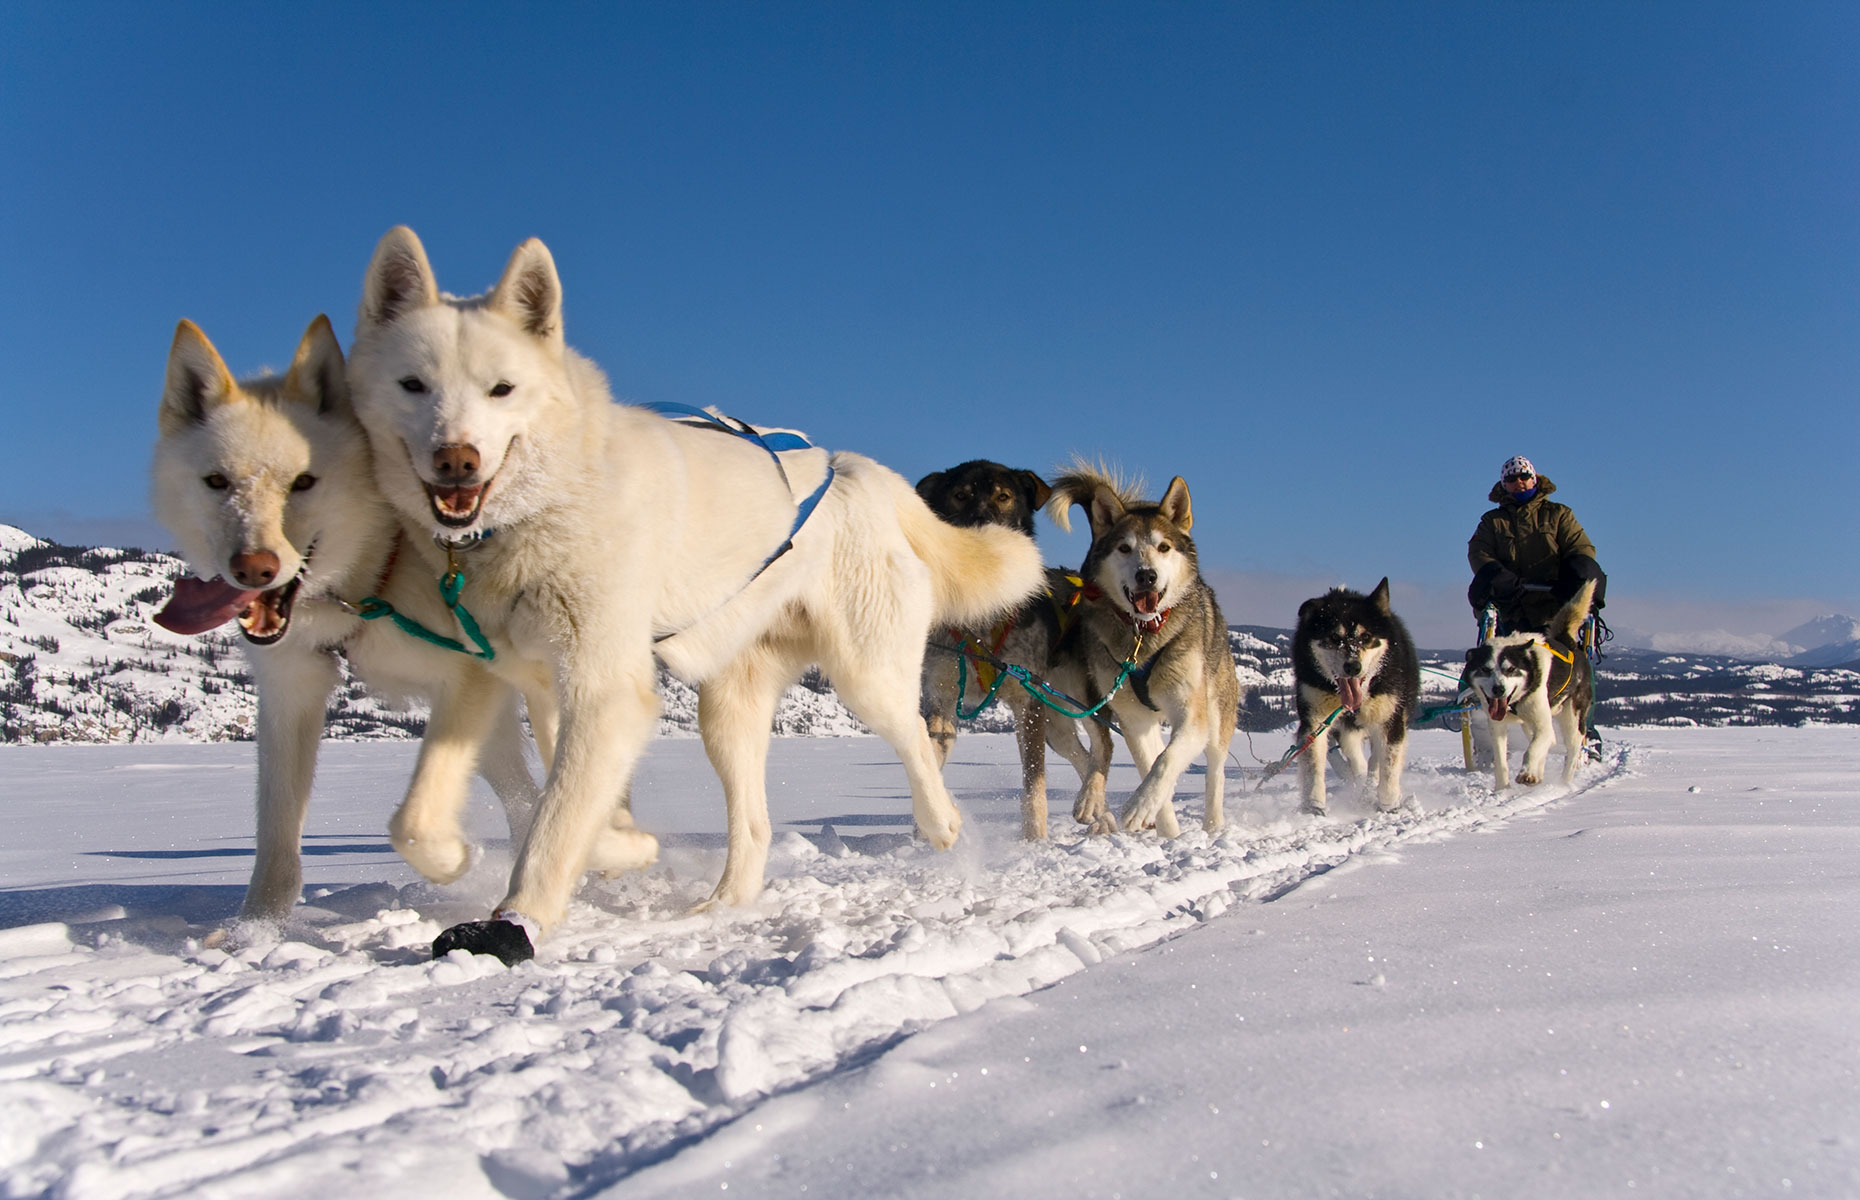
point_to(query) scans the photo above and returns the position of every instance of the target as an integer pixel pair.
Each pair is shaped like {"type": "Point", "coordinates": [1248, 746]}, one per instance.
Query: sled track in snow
{"type": "Point", "coordinates": [343, 1057]}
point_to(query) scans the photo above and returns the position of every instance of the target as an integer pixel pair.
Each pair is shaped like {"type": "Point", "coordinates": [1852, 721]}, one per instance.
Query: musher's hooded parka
{"type": "Point", "coordinates": [1536, 541]}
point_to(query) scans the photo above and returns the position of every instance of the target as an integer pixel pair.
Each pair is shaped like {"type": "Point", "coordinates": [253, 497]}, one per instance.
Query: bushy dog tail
{"type": "Point", "coordinates": [1080, 480]}
{"type": "Point", "coordinates": [976, 573]}
{"type": "Point", "coordinates": [1568, 620]}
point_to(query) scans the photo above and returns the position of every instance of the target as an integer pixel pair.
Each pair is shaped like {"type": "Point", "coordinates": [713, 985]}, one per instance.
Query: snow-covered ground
{"type": "Point", "coordinates": [1649, 985]}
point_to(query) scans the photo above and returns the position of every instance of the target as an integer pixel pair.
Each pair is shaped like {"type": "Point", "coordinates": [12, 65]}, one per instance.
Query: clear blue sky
{"type": "Point", "coordinates": [1330, 262]}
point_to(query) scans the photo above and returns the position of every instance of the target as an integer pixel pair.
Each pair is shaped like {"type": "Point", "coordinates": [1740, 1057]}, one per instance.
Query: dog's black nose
{"type": "Point", "coordinates": [1353, 667]}
{"type": "Point", "coordinates": [1146, 578]}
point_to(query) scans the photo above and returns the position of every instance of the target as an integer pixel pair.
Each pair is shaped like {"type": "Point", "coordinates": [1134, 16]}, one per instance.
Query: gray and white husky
{"type": "Point", "coordinates": [1539, 682]}
{"type": "Point", "coordinates": [1151, 637]}
{"type": "Point", "coordinates": [267, 488]}
{"type": "Point", "coordinates": [1352, 656]}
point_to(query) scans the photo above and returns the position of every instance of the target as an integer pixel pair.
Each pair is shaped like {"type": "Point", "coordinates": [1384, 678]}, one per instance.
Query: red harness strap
{"type": "Point", "coordinates": [387, 568]}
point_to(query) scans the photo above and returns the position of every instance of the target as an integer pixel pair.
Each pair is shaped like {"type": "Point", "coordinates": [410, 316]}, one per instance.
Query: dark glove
{"type": "Point", "coordinates": [1494, 585]}
{"type": "Point", "coordinates": [1580, 567]}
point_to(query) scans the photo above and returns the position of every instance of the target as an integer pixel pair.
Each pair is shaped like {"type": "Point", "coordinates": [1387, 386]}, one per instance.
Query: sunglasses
{"type": "Point", "coordinates": [1519, 478]}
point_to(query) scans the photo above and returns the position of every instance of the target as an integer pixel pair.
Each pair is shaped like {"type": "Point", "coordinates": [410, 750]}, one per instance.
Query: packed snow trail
{"type": "Point", "coordinates": [135, 1063]}
{"type": "Point", "coordinates": [1646, 992]}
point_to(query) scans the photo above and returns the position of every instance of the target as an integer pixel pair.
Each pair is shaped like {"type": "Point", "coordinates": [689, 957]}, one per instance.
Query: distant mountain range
{"type": "Point", "coordinates": [1827, 641]}
{"type": "Point", "coordinates": [81, 661]}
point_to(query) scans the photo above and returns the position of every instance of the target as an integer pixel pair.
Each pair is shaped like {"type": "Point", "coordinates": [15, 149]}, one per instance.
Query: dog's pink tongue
{"type": "Point", "coordinates": [1350, 691]}
{"type": "Point", "coordinates": [201, 604]}
{"type": "Point", "coordinates": [1496, 708]}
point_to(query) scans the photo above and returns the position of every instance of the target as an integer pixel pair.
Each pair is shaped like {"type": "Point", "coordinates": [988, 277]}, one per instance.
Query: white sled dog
{"type": "Point", "coordinates": [1152, 638]}
{"type": "Point", "coordinates": [603, 534]}
{"type": "Point", "coordinates": [1539, 682]}
{"type": "Point", "coordinates": [266, 485]}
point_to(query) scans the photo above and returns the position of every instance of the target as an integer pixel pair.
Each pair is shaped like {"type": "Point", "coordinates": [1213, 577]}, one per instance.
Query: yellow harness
{"type": "Point", "coordinates": [1064, 611]}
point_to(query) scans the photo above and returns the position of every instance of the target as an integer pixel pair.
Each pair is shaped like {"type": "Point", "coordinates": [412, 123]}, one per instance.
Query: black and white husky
{"type": "Point", "coordinates": [1352, 657]}
{"type": "Point", "coordinates": [1537, 681]}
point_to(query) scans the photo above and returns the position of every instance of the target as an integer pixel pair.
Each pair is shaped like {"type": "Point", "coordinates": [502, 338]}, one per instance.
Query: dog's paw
{"type": "Point", "coordinates": [940, 829]}
{"type": "Point", "coordinates": [1528, 779]}
{"type": "Point", "coordinates": [1314, 808]}
{"type": "Point", "coordinates": [505, 941]}
{"type": "Point", "coordinates": [617, 850]}
{"type": "Point", "coordinates": [729, 894]}
{"type": "Point", "coordinates": [1136, 818]}
{"type": "Point", "coordinates": [440, 857]}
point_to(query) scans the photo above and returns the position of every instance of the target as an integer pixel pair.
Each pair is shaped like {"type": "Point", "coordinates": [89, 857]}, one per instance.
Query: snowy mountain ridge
{"type": "Point", "coordinates": [81, 660]}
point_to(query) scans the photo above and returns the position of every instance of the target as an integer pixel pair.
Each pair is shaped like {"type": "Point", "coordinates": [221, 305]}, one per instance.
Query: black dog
{"type": "Point", "coordinates": [986, 493]}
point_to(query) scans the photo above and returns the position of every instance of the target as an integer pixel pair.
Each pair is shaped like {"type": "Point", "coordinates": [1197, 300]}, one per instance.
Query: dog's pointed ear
{"type": "Point", "coordinates": [1380, 597]}
{"type": "Point", "coordinates": [1308, 607]}
{"type": "Point", "coordinates": [197, 383]}
{"type": "Point", "coordinates": [530, 292]}
{"type": "Point", "coordinates": [1175, 505]}
{"type": "Point", "coordinates": [399, 278]}
{"type": "Point", "coordinates": [1470, 653]}
{"type": "Point", "coordinates": [1038, 490]}
{"type": "Point", "coordinates": [1105, 510]}
{"type": "Point", "coordinates": [316, 376]}
{"type": "Point", "coordinates": [930, 490]}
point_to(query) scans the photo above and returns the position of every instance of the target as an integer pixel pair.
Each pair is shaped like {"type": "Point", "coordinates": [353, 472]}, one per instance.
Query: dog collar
{"type": "Point", "coordinates": [459, 545]}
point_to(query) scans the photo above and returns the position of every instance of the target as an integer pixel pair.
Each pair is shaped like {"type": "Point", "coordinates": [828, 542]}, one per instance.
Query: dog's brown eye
{"type": "Point", "coordinates": [413, 384]}
{"type": "Point", "coordinates": [1124, 548]}
{"type": "Point", "coordinates": [961, 495]}
{"type": "Point", "coordinates": [1163, 547]}
{"type": "Point", "coordinates": [303, 483]}
{"type": "Point", "coordinates": [502, 389]}
{"type": "Point", "coordinates": [217, 482]}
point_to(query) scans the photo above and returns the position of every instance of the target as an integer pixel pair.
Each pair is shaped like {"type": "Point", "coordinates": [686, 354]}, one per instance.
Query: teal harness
{"type": "Point", "coordinates": [452, 584]}
{"type": "Point", "coordinates": [1041, 690]}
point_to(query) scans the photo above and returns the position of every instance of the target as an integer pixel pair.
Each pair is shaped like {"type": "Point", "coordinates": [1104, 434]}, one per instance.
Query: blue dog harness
{"type": "Point", "coordinates": [773, 441]}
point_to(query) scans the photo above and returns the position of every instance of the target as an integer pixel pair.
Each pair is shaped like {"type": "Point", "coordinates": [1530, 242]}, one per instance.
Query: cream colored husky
{"type": "Point", "coordinates": [266, 486]}
{"type": "Point", "coordinates": [602, 535]}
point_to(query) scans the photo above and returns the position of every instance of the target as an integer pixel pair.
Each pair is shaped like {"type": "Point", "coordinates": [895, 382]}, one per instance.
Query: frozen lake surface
{"type": "Point", "coordinates": [1646, 985]}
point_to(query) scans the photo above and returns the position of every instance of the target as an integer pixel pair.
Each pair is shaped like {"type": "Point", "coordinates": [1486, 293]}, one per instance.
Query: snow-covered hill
{"type": "Point", "coordinates": [82, 661]}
